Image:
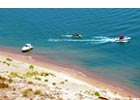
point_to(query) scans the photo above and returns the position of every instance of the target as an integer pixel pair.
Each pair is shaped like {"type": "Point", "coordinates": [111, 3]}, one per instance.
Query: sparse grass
{"type": "Point", "coordinates": [14, 65]}
{"type": "Point", "coordinates": [8, 59]}
{"type": "Point", "coordinates": [97, 93]}
{"type": "Point", "coordinates": [91, 92]}
{"type": "Point", "coordinates": [87, 92]}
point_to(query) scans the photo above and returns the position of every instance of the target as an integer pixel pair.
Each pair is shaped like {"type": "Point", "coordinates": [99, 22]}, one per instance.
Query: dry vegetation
{"type": "Point", "coordinates": [29, 82]}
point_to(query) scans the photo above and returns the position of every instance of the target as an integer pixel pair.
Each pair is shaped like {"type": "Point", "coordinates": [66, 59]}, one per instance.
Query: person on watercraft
{"type": "Point", "coordinates": [76, 36]}
{"type": "Point", "coordinates": [121, 37]}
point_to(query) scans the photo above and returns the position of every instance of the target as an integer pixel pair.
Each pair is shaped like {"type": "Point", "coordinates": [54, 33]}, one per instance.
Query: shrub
{"type": "Point", "coordinates": [35, 73]}
{"type": "Point", "coordinates": [66, 80]}
{"type": "Point", "coordinates": [53, 83]}
{"type": "Point", "coordinates": [26, 92]}
{"type": "Point", "coordinates": [44, 74]}
{"type": "Point", "coordinates": [10, 80]}
{"type": "Point", "coordinates": [31, 67]}
{"type": "Point", "coordinates": [60, 99]}
{"type": "Point", "coordinates": [52, 74]}
{"type": "Point", "coordinates": [30, 74]}
{"type": "Point", "coordinates": [8, 64]}
{"type": "Point", "coordinates": [9, 59]}
{"type": "Point", "coordinates": [20, 77]}
{"type": "Point", "coordinates": [62, 82]}
{"type": "Point", "coordinates": [46, 80]}
{"type": "Point", "coordinates": [37, 92]}
{"type": "Point", "coordinates": [2, 78]}
{"type": "Point", "coordinates": [4, 85]}
{"type": "Point", "coordinates": [14, 74]}
{"type": "Point", "coordinates": [4, 62]}
{"type": "Point", "coordinates": [30, 82]}
{"type": "Point", "coordinates": [97, 93]}
{"type": "Point", "coordinates": [37, 78]}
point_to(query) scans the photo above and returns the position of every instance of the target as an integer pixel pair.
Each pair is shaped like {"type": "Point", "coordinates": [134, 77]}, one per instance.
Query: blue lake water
{"type": "Point", "coordinates": [48, 30]}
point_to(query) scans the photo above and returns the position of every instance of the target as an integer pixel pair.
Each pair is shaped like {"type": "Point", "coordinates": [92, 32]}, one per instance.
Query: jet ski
{"type": "Point", "coordinates": [27, 47]}
{"type": "Point", "coordinates": [122, 39]}
{"type": "Point", "coordinates": [77, 36]}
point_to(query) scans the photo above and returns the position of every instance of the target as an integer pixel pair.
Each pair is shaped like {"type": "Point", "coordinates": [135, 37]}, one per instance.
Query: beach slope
{"type": "Point", "coordinates": [21, 80]}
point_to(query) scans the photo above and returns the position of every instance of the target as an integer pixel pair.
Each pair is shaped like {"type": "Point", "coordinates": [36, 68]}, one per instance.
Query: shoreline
{"type": "Point", "coordinates": [97, 81]}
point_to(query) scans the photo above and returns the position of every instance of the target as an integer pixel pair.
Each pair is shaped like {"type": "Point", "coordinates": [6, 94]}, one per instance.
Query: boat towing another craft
{"type": "Point", "coordinates": [122, 39]}
{"type": "Point", "coordinates": [27, 47]}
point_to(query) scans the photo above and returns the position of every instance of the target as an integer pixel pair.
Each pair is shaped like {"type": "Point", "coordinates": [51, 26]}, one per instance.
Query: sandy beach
{"type": "Point", "coordinates": [25, 78]}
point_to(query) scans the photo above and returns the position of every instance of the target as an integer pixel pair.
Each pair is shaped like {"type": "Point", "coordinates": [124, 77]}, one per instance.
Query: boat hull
{"type": "Point", "coordinates": [126, 39]}
{"type": "Point", "coordinates": [27, 50]}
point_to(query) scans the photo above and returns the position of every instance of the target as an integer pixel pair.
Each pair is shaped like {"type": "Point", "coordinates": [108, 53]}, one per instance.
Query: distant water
{"type": "Point", "coordinates": [48, 30]}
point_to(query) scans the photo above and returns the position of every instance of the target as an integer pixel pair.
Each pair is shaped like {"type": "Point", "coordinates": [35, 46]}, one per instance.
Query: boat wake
{"type": "Point", "coordinates": [68, 36]}
{"type": "Point", "coordinates": [102, 39]}
{"type": "Point", "coordinates": [93, 40]}
{"type": "Point", "coordinates": [70, 40]}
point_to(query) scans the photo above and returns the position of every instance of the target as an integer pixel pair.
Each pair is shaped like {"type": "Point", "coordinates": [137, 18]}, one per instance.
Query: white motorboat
{"type": "Point", "coordinates": [27, 47]}
{"type": "Point", "coordinates": [122, 39]}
